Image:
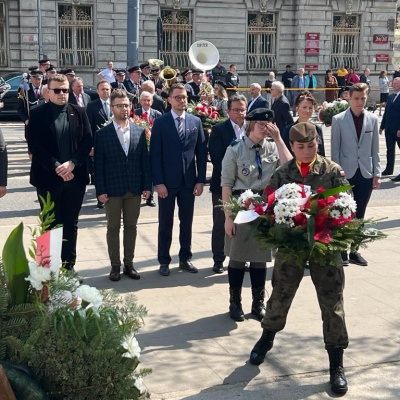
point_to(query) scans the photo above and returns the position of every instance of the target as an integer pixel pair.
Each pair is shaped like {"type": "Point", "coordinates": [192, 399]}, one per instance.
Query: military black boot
{"type": "Point", "coordinates": [262, 347]}
{"type": "Point", "coordinates": [235, 304]}
{"type": "Point", "coordinates": [258, 304]}
{"type": "Point", "coordinates": [338, 379]}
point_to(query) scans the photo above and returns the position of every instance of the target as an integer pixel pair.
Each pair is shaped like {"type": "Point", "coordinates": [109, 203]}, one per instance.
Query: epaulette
{"type": "Point", "coordinates": [235, 142]}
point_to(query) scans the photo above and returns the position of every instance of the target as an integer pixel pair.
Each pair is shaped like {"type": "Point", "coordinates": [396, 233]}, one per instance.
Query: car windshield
{"type": "Point", "coordinates": [13, 80]}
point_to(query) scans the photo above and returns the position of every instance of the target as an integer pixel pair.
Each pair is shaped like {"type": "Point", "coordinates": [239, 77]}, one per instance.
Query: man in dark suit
{"type": "Point", "coordinates": [120, 82]}
{"type": "Point", "coordinates": [60, 139]}
{"type": "Point", "coordinates": [178, 157]}
{"type": "Point", "coordinates": [221, 137]}
{"type": "Point", "coordinates": [232, 79]}
{"type": "Point", "coordinates": [257, 101]}
{"type": "Point", "coordinates": [99, 114]}
{"type": "Point", "coordinates": [193, 87]}
{"type": "Point", "coordinates": [391, 125]}
{"type": "Point", "coordinates": [3, 165]}
{"type": "Point", "coordinates": [134, 84]}
{"type": "Point", "coordinates": [281, 106]}
{"type": "Point", "coordinates": [77, 95]}
{"type": "Point", "coordinates": [122, 170]}
{"type": "Point", "coordinates": [158, 103]}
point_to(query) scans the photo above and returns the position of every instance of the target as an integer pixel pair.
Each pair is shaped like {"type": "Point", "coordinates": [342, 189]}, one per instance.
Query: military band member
{"type": "Point", "coordinates": [155, 76]}
{"type": "Point", "coordinates": [193, 87]}
{"type": "Point", "coordinates": [30, 97]}
{"type": "Point", "coordinates": [69, 73]}
{"type": "Point", "coordinates": [145, 75]}
{"type": "Point", "coordinates": [120, 82]}
{"type": "Point", "coordinates": [133, 84]}
{"type": "Point", "coordinates": [43, 65]}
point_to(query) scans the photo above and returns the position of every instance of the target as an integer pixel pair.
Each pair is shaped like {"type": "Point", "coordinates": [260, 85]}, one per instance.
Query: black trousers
{"type": "Point", "coordinates": [218, 229]}
{"type": "Point", "coordinates": [391, 140]}
{"type": "Point", "coordinates": [362, 191]}
{"type": "Point", "coordinates": [185, 198]}
{"type": "Point", "coordinates": [67, 198]}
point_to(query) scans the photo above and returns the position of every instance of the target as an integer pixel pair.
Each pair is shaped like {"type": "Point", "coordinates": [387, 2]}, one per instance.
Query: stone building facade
{"type": "Point", "coordinates": [257, 35]}
{"type": "Point", "coordinates": [266, 35]}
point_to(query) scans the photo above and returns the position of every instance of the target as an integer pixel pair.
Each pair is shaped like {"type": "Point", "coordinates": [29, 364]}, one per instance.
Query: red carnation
{"type": "Point", "coordinates": [259, 210]}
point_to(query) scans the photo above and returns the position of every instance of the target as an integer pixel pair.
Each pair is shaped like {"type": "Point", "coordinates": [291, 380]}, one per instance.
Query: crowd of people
{"type": "Point", "coordinates": [72, 137]}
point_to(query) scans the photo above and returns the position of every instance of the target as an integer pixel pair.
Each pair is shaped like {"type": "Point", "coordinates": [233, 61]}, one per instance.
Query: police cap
{"type": "Point", "coordinates": [136, 68]}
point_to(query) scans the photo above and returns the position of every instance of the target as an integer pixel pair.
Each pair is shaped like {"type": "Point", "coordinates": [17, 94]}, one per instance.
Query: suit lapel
{"type": "Point", "coordinates": [174, 131]}
{"type": "Point", "coordinates": [134, 138]}
{"type": "Point", "coordinates": [350, 123]}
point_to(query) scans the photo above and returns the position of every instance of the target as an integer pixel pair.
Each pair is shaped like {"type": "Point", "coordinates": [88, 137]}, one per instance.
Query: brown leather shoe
{"type": "Point", "coordinates": [115, 274]}
{"type": "Point", "coordinates": [131, 272]}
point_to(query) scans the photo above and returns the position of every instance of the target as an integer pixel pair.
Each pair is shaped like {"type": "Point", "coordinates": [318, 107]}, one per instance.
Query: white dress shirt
{"type": "Point", "coordinates": [124, 136]}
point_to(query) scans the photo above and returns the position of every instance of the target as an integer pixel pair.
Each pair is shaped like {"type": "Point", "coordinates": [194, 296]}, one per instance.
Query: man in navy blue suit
{"type": "Point", "coordinates": [178, 160]}
{"type": "Point", "coordinates": [122, 171]}
{"type": "Point", "coordinates": [257, 101]}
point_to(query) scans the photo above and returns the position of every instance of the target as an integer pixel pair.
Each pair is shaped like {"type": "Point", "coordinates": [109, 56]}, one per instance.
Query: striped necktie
{"type": "Point", "coordinates": [181, 133]}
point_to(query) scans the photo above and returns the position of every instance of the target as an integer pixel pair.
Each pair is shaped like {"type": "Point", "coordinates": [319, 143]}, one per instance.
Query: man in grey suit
{"type": "Point", "coordinates": [77, 95]}
{"type": "Point", "coordinates": [355, 146]}
{"type": "Point", "coordinates": [123, 175]}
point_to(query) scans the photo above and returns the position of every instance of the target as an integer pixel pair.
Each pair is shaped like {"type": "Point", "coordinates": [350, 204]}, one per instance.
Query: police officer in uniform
{"type": "Point", "coordinates": [133, 84]}
{"type": "Point", "coordinates": [311, 169]}
{"type": "Point", "coordinates": [248, 164]}
{"type": "Point", "coordinates": [145, 75]}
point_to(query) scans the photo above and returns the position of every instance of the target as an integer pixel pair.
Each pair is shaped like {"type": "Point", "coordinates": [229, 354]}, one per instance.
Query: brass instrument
{"type": "Point", "coordinates": [155, 62]}
{"type": "Point", "coordinates": [168, 74]}
{"type": "Point", "coordinates": [203, 55]}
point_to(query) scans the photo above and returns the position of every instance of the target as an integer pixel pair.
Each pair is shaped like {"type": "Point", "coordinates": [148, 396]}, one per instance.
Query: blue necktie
{"type": "Point", "coordinates": [181, 133]}
{"type": "Point", "coordinates": [258, 160]}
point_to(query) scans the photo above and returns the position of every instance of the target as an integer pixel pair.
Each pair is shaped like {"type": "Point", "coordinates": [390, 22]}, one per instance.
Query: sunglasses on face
{"type": "Point", "coordinates": [58, 91]}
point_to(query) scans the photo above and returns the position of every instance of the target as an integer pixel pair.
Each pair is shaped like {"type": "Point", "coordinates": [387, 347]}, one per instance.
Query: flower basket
{"type": "Point", "coordinates": [208, 114]}
{"type": "Point", "coordinates": [329, 110]}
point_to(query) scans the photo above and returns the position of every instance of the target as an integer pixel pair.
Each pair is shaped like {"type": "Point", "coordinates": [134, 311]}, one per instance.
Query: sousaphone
{"type": "Point", "coordinates": [203, 55]}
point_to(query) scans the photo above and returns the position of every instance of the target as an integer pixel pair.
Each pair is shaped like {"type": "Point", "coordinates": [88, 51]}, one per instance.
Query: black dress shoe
{"type": "Point", "coordinates": [356, 258]}
{"type": "Point", "coordinates": [218, 268]}
{"type": "Point", "coordinates": [164, 270]}
{"type": "Point", "coordinates": [115, 274]}
{"type": "Point", "coordinates": [396, 179]}
{"type": "Point", "coordinates": [345, 258]}
{"type": "Point", "coordinates": [150, 203]}
{"type": "Point", "coordinates": [188, 266]}
{"type": "Point", "coordinates": [100, 204]}
{"type": "Point", "coordinates": [386, 173]}
{"type": "Point", "coordinates": [131, 272]}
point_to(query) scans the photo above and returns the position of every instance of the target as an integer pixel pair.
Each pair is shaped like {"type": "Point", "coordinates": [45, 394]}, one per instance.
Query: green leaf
{"type": "Point", "coordinates": [333, 191]}
{"type": "Point", "coordinates": [16, 266]}
{"type": "Point", "coordinates": [311, 231]}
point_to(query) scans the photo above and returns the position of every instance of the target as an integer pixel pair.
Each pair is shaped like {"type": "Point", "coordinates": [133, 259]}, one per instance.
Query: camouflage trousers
{"type": "Point", "coordinates": [329, 285]}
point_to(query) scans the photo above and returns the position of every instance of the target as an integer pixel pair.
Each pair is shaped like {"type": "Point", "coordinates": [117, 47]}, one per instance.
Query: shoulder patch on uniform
{"type": "Point", "coordinates": [235, 142]}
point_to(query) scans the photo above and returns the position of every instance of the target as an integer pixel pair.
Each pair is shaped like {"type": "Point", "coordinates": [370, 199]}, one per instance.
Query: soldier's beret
{"type": "Point", "coordinates": [197, 71]}
{"type": "Point", "coordinates": [260, 114]}
{"type": "Point", "coordinates": [185, 72]}
{"type": "Point", "coordinates": [136, 68]}
{"type": "Point", "coordinates": [144, 65]}
{"type": "Point", "coordinates": [44, 61]}
{"type": "Point", "coordinates": [302, 132]}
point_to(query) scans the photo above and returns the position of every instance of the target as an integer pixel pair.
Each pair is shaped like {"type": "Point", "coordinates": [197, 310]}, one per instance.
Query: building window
{"type": "Point", "coordinates": [75, 36]}
{"type": "Point", "coordinates": [345, 41]}
{"type": "Point", "coordinates": [261, 42]}
{"type": "Point", "coordinates": [177, 38]}
{"type": "Point", "coordinates": [3, 44]}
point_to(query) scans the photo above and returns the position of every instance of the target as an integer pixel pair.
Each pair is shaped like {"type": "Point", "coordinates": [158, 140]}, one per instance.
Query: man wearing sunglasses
{"type": "Point", "coordinates": [60, 139]}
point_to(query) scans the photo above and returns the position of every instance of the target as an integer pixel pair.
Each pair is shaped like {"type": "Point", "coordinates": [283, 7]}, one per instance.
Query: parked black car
{"type": "Point", "coordinates": [10, 99]}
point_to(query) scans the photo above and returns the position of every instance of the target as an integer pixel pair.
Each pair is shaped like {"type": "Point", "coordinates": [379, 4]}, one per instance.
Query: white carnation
{"type": "Point", "coordinates": [334, 213]}
{"type": "Point", "coordinates": [139, 384]}
{"type": "Point", "coordinates": [90, 295]}
{"type": "Point", "coordinates": [38, 275]}
{"type": "Point", "coordinates": [247, 194]}
{"type": "Point", "coordinates": [131, 344]}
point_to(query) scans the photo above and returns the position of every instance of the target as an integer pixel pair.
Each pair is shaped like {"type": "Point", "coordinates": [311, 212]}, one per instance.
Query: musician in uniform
{"type": "Point", "coordinates": [30, 96]}
{"type": "Point", "coordinates": [193, 87]}
{"type": "Point", "coordinates": [69, 73]}
{"type": "Point", "coordinates": [120, 82]}
{"type": "Point", "coordinates": [145, 75]}
{"type": "Point", "coordinates": [155, 76]}
{"type": "Point", "coordinates": [51, 70]}
{"type": "Point", "coordinates": [43, 65]}
{"type": "Point", "coordinates": [187, 76]}
{"type": "Point", "coordinates": [133, 84]}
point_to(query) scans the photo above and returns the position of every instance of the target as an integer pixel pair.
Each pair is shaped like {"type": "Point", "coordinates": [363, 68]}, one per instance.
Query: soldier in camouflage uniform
{"type": "Point", "coordinates": [308, 168]}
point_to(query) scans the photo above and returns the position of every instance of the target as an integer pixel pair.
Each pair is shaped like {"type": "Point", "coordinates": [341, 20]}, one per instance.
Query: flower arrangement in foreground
{"type": "Point", "coordinates": [208, 114]}
{"type": "Point", "coordinates": [76, 341]}
{"type": "Point", "coordinates": [329, 110]}
{"type": "Point", "coordinates": [304, 225]}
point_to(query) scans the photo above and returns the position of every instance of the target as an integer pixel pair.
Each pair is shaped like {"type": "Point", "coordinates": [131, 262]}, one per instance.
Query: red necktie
{"type": "Point", "coordinates": [37, 93]}
{"type": "Point", "coordinates": [79, 100]}
{"type": "Point", "coordinates": [144, 115]}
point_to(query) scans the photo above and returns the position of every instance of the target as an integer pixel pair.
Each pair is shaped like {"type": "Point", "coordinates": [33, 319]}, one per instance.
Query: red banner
{"type": "Point", "coordinates": [311, 67]}
{"type": "Point", "coordinates": [380, 38]}
{"type": "Point", "coordinates": [382, 57]}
